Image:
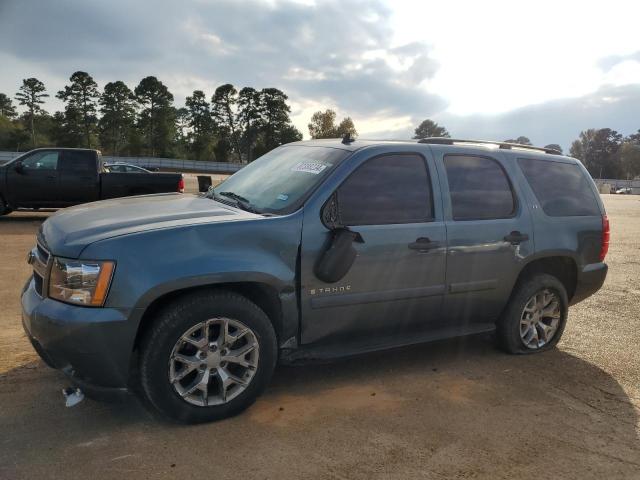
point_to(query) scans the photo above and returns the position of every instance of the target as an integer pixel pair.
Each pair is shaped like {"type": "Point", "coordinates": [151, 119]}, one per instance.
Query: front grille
{"type": "Point", "coordinates": [40, 261]}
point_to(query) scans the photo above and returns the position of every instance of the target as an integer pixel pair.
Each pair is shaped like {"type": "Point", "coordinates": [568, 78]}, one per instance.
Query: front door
{"type": "Point", "coordinates": [36, 182]}
{"type": "Point", "coordinates": [394, 287]}
{"type": "Point", "coordinates": [489, 234]}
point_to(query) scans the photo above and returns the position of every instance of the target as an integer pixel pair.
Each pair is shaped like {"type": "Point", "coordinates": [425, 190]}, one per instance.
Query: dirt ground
{"type": "Point", "coordinates": [455, 409]}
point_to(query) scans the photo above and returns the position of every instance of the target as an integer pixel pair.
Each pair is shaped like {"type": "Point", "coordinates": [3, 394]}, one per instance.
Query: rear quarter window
{"type": "Point", "coordinates": [561, 188]}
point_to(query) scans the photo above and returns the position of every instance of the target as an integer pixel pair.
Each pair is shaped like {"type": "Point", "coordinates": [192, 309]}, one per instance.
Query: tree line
{"type": "Point", "coordinates": [604, 152]}
{"type": "Point", "coordinates": [233, 125]}
{"type": "Point", "coordinates": [230, 126]}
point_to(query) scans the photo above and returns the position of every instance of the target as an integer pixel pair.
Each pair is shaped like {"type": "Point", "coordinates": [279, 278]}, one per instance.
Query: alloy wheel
{"type": "Point", "coordinates": [214, 361]}
{"type": "Point", "coordinates": [540, 319]}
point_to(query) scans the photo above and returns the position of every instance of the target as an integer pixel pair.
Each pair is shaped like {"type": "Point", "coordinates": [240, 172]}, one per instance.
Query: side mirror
{"type": "Point", "coordinates": [19, 167]}
{"type": "Point", "coordinates": [339, 255]}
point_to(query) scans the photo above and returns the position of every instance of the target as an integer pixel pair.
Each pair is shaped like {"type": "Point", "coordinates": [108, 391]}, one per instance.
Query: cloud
{"type": "Point", "coordinates": [559, 121]}
{"type": "Point", "coordinates": [326, 54]}
{"type": "Point", "coordinates": [336, 52]}
{"type": "Point", "coordinates": [608, 63]}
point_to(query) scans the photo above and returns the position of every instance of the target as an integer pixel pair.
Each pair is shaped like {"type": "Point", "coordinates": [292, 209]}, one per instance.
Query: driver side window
{"type": "Point", "coordinates": [384, 190]}
{"type": "Point", "coordinates": [41, 161]}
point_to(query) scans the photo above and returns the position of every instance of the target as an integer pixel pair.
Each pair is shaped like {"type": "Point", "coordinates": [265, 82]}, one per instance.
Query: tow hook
{"type": "Point", "coordinates": [73, 396]}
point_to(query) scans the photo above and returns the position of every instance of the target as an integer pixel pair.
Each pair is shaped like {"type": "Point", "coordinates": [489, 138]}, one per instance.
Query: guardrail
{"type": "Point", "coordinates": [178, 164]}
{"type": "Point", "coordinates": [6, 156]}
{"type": "Point", "coordinates": [161, 163]}
{"type": "Point", "coordinates": [618, 183]}
{"type": "Point", "coordinates": [634, 185]}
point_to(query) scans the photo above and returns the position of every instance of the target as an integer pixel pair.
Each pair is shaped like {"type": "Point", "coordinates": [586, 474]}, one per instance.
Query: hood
{"type": "Point", "coordinates": [69, 231]}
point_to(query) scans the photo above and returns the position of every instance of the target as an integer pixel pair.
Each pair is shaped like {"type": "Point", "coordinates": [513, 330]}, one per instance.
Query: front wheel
{"type": "Point", "coordinates": [208, 357]}
{"type": "Point", "coordinates": [4, 209]}
{"type": "Point", "coordinates": [535, 317]}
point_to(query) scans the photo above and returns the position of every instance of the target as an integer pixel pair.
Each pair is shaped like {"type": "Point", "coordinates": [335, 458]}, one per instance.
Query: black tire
{"type": "Point", "coordinates": [4, 209]}
{"type": "Point", "coordinates": [508, 326]}
{"type": "Point", "coordinates": [177, 318]}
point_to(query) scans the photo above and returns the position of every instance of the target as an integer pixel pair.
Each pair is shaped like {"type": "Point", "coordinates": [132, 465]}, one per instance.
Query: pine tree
{"type": "Point", "coordinates": [81, 98]}
{"type": "Point", "coordinates": [31, 95]}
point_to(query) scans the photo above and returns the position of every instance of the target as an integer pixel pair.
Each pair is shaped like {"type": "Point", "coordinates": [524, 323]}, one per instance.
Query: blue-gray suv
{"type": "Point", "coordinates": [318, 249]}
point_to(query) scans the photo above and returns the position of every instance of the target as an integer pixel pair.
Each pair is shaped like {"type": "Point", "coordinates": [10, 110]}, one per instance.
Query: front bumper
{"type": "Point", "coordinates": [589, 281]}
{"type": "Point", "coordinates": [90, 345]}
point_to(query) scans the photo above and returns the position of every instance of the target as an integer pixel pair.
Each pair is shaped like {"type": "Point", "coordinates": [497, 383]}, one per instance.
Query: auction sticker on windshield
{"type": "Point", "coordinates": [309, 167]}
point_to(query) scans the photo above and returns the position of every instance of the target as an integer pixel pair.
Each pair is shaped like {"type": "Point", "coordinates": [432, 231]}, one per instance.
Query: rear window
{"type": "Point", "coordinates": [561, 188]}
{"type": "Point", "coordinates": [78, 161]}
{"type": "Point", "coordinates": [479, 188]}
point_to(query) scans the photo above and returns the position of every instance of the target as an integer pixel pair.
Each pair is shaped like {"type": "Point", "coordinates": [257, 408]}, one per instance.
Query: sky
{"type": "Point", "coordinates": [483, 69]}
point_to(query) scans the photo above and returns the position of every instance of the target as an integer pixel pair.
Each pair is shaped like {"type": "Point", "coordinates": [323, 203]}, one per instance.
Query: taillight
{"type": "Point", "coordinates": [606, 233]}
{"type": "Point", "coordinates": [181, 185]}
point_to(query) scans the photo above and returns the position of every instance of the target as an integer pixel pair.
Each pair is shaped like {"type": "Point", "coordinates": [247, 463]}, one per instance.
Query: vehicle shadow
{"type": "Point", "coordinates": [462, 394]}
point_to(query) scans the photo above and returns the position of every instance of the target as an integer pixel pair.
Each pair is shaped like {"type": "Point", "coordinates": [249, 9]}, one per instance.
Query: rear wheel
{"type": "Point", "coordinates": [535, 317]}
{"type": "Point", "coordinates": [207, 357]}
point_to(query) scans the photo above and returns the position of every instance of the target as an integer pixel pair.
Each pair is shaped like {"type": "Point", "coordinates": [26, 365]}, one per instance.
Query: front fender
{"type": "Point", "coordinates": [154, 263]}
{"type": "Point", "coordinates": [211, 279]}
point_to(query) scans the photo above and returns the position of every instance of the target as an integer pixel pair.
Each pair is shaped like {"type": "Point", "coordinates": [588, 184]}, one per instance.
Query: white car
{"type": "Point", "coordinates": [124, 168]}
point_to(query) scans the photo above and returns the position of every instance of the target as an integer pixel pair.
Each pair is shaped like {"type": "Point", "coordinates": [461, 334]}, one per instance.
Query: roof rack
{"type": "Point", "coordinates": [502, 145]}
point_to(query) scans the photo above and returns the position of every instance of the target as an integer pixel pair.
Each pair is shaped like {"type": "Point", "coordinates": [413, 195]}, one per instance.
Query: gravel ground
{"type": "Point", "coordinates": [455, 409]}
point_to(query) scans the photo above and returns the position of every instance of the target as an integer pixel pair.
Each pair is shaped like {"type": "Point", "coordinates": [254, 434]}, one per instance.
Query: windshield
{"type": "Point", "coordinates": [280, 181]}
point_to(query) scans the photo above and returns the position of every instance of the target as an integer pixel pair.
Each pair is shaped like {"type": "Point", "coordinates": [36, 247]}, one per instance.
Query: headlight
{"type": "Point", "coordinates": [83, 282]}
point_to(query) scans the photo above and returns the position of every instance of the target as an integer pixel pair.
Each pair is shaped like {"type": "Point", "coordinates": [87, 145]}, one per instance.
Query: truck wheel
{"type": "Point", "coordinates": [535, 317]}
{"type": "Point", "coordinates": [208, 356]}
{"type": "Point", "coordinates": [4, 209]}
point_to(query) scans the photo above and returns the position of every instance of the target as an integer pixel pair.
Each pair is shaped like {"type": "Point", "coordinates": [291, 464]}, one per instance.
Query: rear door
{"type": "Point", "coordinates": [36, 183]}
{"type": "Point", "coordinates": [79, 179]}
{"type": "Point", "coordinates": [394, 288]}
{"type": "Point", "coordinates": [489, 234]}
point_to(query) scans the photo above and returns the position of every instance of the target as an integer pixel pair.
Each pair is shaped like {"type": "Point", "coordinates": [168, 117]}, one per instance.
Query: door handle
{"type": "Point", "coordinates": [51, 177]}
{"type": "Point", "coordinates": [515, 237]}
{"type": "Point", "coordinates": [423, 244]}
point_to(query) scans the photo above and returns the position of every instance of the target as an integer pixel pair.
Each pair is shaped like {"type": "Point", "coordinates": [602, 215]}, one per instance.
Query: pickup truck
{"type": "Point", "coordinates": [60, 177]}
{"type": "Point", "coordinates": [316, 250]}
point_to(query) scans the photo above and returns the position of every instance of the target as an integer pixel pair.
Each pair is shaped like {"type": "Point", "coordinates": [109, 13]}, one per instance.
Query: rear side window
{"type": "Point", "coordinates": [78, 161]}
{"type": "Point", "coordinates": [561, 188]}
{"type": "Point", "coordinates": [386, 190]}
{"type": "Point", "coordinates": [479, 188]}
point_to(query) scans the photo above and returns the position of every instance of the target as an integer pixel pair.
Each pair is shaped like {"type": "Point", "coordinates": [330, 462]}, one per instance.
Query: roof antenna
{"type": "Point", "coordinates": [347, 138]}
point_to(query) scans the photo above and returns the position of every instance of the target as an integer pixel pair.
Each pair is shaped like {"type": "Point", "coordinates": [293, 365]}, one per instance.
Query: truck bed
{"type": "Point", "coordinates": [113, 185]}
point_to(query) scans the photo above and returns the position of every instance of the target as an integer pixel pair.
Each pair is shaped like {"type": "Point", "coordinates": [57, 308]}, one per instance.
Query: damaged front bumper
{"type": "Point", "coordinates": [92, 346]}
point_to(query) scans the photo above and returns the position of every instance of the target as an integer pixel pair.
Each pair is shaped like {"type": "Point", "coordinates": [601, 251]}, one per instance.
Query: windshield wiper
{"type": "Point", "coordinates": [241, 202]}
